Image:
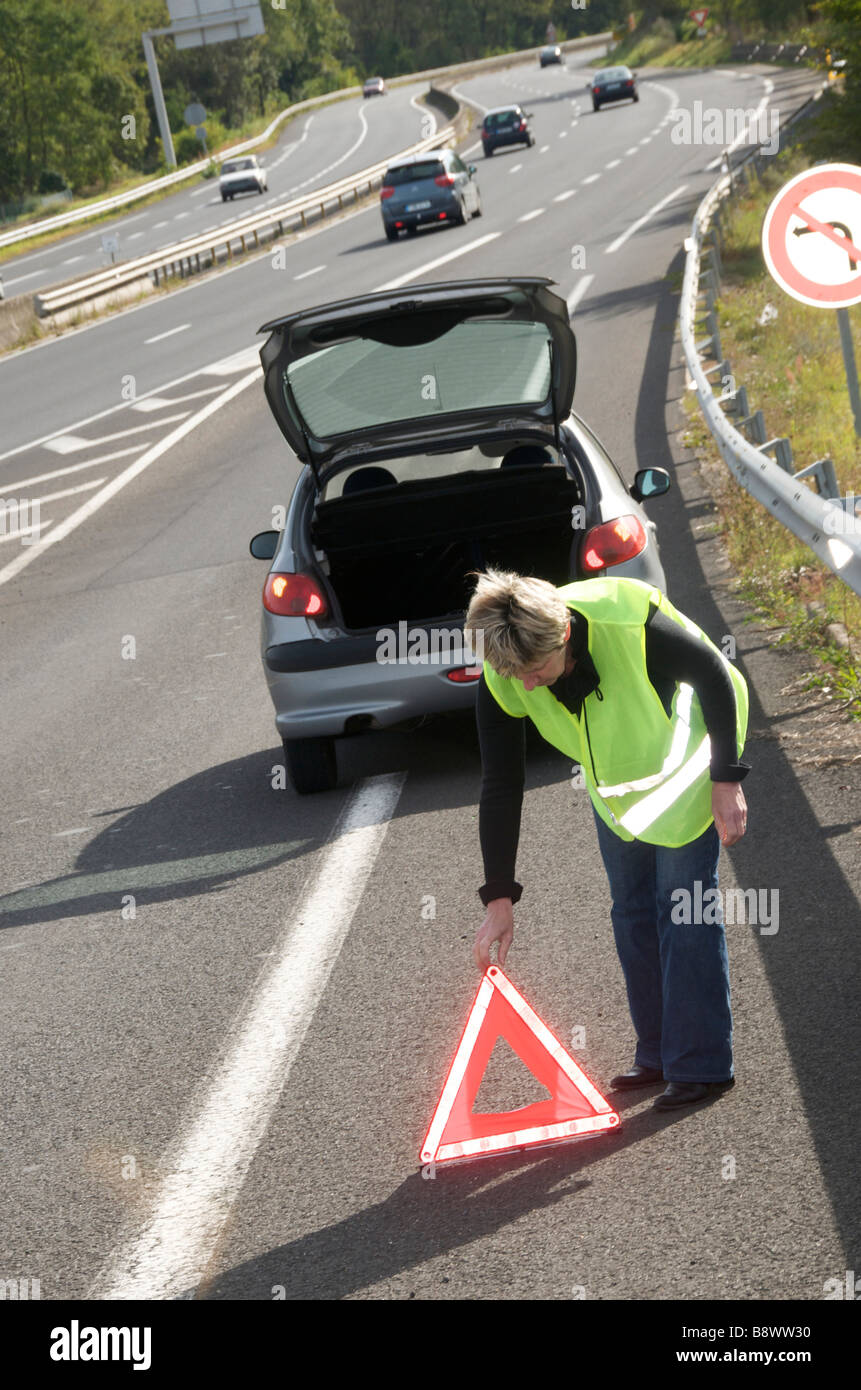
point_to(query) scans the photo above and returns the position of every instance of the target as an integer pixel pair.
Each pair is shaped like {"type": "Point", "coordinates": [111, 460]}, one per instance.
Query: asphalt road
{"type": "Point", "coordinates": [223, 1095]}
{"type": "Point", "coordinates": [314, 148]}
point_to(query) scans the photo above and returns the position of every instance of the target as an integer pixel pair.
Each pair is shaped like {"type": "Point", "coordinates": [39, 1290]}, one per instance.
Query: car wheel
{"type": "Point", "coordinates": [311, 763]}
{"type": "Point", "coordinates": [596, 105]}
{"type": "Point", "coordinates": [636, 96]}
{"type": "Point", "coordinates": [392, 233]}
{"type": "Point", "coordinates": [488, 151]}
{"type": "Point", "coordinates": [462, 217]}
{"type": "Point", "coordinates": [224, 197]}
{"type": "Point", "coordinates": [477, 212]}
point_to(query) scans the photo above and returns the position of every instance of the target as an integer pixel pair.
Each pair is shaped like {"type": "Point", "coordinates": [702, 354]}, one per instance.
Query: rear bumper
{"type": "Point", "coordinates": [441, 211]}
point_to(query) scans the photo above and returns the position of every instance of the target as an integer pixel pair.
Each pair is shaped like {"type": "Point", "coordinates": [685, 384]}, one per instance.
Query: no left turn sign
{"type": "Point", "coordinates": [811, 236]}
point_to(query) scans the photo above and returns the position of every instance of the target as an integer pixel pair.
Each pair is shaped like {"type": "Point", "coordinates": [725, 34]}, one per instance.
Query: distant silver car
{"type": "Point", "coordinates": [374, 87]}
{"type": "Point", "coordinates": [436, 428]}
{"type": "Point", "coordinates": [552, 53]}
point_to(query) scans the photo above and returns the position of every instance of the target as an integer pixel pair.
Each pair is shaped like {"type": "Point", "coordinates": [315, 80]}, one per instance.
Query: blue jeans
{"type": "Point", "coordinates": [676, 973]}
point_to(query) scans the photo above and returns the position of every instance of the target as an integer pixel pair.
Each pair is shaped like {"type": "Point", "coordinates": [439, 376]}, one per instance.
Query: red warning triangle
{"type": "Point", "coordinates": [574, 1107]}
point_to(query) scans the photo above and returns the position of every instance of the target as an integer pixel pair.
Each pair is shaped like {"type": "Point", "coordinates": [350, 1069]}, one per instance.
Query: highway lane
{"type": "Point", "coordinates": [314, 148]}
{"type": "Point", "coordinates": [211, 319]}
{"type": "Point", "coordinates": [153, 777]}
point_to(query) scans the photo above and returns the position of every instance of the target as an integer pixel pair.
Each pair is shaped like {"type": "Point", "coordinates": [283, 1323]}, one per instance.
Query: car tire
{"type": "Point", "coordinates": [392, 233]}
{"type": "Point", "coordinates": [224, 197]}
{"type": "Point", "coordinates": [462, 217]}
{"type": "Point", "coordinates": [311, 763]}
{"type": "Point", "coordinates": [596, 106]}
{"type": "Point", "coordinates": [477, 212]}
{"type": "Point", "coordinates": [636, 96]}
{"type": "Point", "coordinates": [488, 151]}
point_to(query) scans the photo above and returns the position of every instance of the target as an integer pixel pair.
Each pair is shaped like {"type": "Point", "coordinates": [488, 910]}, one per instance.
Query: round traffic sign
{"type": "Point", "coordinates": [811, 236]}
{"type": "Point", "coordinates": [195, 114]}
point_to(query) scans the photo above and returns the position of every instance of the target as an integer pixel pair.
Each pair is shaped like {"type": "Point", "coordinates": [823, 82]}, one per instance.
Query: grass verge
{"type": "Point", "coordinates": [788, 356]}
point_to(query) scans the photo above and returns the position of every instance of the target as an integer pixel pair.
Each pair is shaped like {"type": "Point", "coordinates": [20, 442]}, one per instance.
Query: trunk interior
{"type": "Point", "coordinates": [403, 551]}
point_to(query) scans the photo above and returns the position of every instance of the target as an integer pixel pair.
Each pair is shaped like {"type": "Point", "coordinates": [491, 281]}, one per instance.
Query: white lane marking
{"type": "Point", "coordinates": [79, 830]}
{"type": "Point", "coordinates": [294, 145]}
{"type": "Point", "coordinates": [470, 101]}
{"type": "Point", "coordinates": [71, 443]}
{"type": "Point", "coordinates": [70, 491]}
{"type": "Point", "coordinates": [613, 163]}
{"type": "Point", "coordinates": [514, 168]}
{"type": "Point", "coordinates": [71, 523]}
{"type": "Point", "coordinates": [635, 226]}
{"type": "Point", "coordinates": [169, 334]}
{"type": "Point", "coordinates": [528, 216]}
{"type": "Point", "coordinates": [159, 224]}
{"type": "Point", "coordinates": [440, 260]}
{"type": "Point", "coordinates": [238, 362]}
{"type": "Point", "coordinates": [315, 178]}
{"type": "Point", "coordinates": [44, 523]}
{"type": "Point", "coordinates": [75, 467]}
{"type": "Point", "coordinates": [544, 149]}
{"type": "Point", "coordinates": [134, 236]}
{"type": "Point", "coordinates": [425, 111]}
{"type": "Point", "coordinates": [198, 192]}
{"type": "Point", "coordinates": [19, 279]}
{"type": "Point", "coordinates": [646, 140]}
{"type": "Point", "coordinates": [178, 216]}
{"type": "Point", "coordinates": [578, 292]}
{"type": "Point", "coordinates": [305, 273]}
{"type": "Point", "coordinates": [741, 138]}
{"type": "Point", "coordinates": [632, 150]}
{"type": "Point", "coordinates": [149, 403]}
{"type": "Point", "coordinates": [569, 193]}
{"type": "Point", "coordinates": [72, 260]}
{"type": "Point", "coordinates": [206, 1166]}
{"type": "Point", "coordinates": [590, 178]}
{"type": "Point", "coordinates": [216, 368]}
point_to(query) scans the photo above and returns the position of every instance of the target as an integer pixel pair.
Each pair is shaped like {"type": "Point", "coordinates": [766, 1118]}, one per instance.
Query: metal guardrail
{"type": "Point", "coordinates": [829, 528]}
{"type": "Point", "coordinates": [65, 219]}
{"type": "Point", "coordinates": [199, 251]}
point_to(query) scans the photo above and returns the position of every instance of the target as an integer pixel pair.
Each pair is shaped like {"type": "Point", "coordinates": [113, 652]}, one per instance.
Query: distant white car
{"type": "Point", "coordinates": [243, 175]}
{"type": "Point", "coordinates": [374, 87]}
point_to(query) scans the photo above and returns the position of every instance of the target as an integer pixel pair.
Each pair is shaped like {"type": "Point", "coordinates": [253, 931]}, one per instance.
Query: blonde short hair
{"type": "Point", "coordinates": [522, 620]}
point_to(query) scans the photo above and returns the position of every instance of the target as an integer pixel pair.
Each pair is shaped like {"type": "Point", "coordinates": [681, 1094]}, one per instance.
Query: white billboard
{"type": "Point", "coordinates": [197, 22]}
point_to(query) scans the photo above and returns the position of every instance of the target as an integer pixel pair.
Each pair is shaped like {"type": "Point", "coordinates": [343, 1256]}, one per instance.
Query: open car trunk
{"type": "Point", "coordinates": [403, 551]}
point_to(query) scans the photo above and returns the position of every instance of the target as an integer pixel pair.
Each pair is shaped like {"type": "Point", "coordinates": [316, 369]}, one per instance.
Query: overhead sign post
{"type": "Point", "coordinates": [195, 23]}
{"type": "Point", "coordinates": [811, 243]}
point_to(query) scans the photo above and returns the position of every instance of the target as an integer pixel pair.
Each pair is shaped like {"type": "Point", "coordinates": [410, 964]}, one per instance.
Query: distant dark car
{"type": "Point", "coordinates": [613, 84]}
{"type": "Point", "coordinates": [374, 87]}
{"type": "Point", "coordinates": [505, 125]}
{"type": "Point", "coordinates": [433, 187]}
{"type": "Point", "coordinates": [551, 54]}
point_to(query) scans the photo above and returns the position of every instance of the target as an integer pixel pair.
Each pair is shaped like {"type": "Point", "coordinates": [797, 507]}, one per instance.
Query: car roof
{"type": "Point", "coordinates": [512, 106]}
{"type": "Point", "coordinates": [419, 158]}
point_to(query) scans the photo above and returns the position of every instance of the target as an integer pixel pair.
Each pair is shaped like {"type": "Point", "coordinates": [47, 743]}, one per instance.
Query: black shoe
{"type": "Point", "coordinates": [637, 1076]}
{"type": "Point", "coordinates": [689, 1092]}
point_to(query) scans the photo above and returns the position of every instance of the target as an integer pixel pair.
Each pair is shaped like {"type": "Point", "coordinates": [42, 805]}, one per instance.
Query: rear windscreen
{"type": "Point", "coordinates": [501, 118]}
{"type": "Point", "coordinates": [474, 365]}
{"type": "Point", "coordinates": [409, 173]}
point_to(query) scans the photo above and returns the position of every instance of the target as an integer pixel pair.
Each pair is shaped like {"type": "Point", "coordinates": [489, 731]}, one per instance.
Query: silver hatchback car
{"type": "Point", "coordinates": [436, 429]}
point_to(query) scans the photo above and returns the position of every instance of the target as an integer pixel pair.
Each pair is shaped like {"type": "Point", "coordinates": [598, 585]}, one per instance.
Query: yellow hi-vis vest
{"type": "Point", "coordinates": [647, 772]}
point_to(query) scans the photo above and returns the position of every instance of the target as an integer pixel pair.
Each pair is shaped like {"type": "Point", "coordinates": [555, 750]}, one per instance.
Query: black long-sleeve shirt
{"type": "Point", "coordinates": [672, 655]}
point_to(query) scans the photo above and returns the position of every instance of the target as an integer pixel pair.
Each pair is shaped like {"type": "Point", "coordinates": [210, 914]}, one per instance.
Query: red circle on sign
{"type": "Point", "coordinates": [774, 232]}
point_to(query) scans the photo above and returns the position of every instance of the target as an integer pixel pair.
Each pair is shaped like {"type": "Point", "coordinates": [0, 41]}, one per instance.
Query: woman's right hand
{"type": "Point", "coordinates": [498, 925]}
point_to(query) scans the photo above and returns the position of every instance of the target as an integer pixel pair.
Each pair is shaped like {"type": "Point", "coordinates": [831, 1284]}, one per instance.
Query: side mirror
{"type": "Point", "coordinates": [264, 545]}
{"type": "Point", "coordinates": [473, 169]}
{"type": "Point", "coordinates": [650, 482]}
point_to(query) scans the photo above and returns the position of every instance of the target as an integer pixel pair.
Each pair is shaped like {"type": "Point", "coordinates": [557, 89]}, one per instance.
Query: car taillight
{"type": "Point", "coordinates": [522, 125]}
{"type": "Point", "coordinates": [386, 192]}
{"type": "Point", "coordinates": [613, 542]}
{"type": "Point", "coordinates": [463, 674]}
{"type": "Point", "coordinates": [444, 180]}
{"type": "Point", "coordinates": [629, 84]}
{"type": "Point", "coordinates": [294, 596]}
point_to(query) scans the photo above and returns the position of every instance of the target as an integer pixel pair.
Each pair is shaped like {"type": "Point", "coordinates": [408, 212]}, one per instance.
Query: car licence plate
{"type": "Point", "coordinates": [417, 207]}
{"type": "Point", "coordinates": [613, 86]}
